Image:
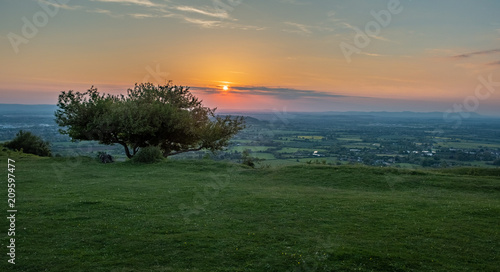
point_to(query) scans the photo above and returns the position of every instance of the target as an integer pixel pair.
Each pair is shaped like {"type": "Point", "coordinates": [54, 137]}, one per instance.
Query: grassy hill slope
{"type": "Point", "coordinates": [79, 215]}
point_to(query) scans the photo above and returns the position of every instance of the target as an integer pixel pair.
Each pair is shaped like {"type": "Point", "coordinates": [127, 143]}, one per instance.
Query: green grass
{"type": "Point", "coordinates": [266, 156]}
{"type": "Point", "coordinates": [79, 215]}
{"type": "Point", "coordinates": [408, 166]}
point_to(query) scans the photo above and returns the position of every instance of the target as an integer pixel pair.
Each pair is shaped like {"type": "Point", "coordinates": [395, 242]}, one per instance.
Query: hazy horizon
{"type": "Point", "coordinates": [285, 111]}
{"type": "Point", "coordinates": [285, 55]}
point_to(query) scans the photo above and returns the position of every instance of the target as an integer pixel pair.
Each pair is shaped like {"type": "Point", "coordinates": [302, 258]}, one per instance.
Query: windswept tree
{"type": "Point", "coordinates": [169, 117]}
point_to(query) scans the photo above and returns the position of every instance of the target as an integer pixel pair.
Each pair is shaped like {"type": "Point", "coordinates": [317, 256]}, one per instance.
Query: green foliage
{"type": "Point", "coordinates": [149, 154]}
{"type": "Point", "coordinates": [427, 162]}
{"type": "Point", "coordinates": [168, 116]}
{"type": "Point", "coordinates": [323, 162]}
{"type": "Point", "coordinates": [27, 142]}
{"type": "Point", "coordinates": [4, 151]}
{"type": "Point", "coordinates": [247, 159]}
{"type": "Point", "coordinates": [104, 157]}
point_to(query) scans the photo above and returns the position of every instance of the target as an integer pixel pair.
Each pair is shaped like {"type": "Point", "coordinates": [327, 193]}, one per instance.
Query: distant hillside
{"type": "Point", "coordinates": [359, 114]}
{"type": "Point", "coordinates": [403, 114]}
{"type": "Point", "coordinates": [50, 109]}
{"type": "Point", "coordinates": [27, 109]}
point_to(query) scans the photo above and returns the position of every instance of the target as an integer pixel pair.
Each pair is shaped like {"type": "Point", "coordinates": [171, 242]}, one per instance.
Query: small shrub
{"type": "Point", "coordinates": [247, 159]}
{"type": "Point", "coordinates": [104, 157]}
{"type": "Point", "coordinates": [27, 142]}
{"type": "Point", "coordinates": [150, 154]}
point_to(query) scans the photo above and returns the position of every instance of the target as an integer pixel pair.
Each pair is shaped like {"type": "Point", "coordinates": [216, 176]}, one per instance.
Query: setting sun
{"type": "Point", "coordinates": [225, 88]}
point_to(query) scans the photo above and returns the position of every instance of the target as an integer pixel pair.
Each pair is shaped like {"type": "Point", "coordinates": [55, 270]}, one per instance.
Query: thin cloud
{"type": "Point", "coordinates": [299, 28]}
{"type": "Point", "coordinates": [61, 6]}
{"type": "Point", "coordinates": [101, 11]}
{"type": "Point", "coordinates": [305, 29]}
{"type": "Point", "coordinates": [218, 24]}
{"type": "Point", "coordinates": [203, 23]}
{"type": "Point", "coordinates": [167, 9]}
{"type": "Point", "coordinates": [494, 63]}
{"type": "Point", "coordinates": [347, 25]}
{"type": "Point", "coordinates": [221, 15]}
{"type": "Point", "coordinates": [145, 3]}
{"type": "Point", "coordinates": [380, 38]}
{"type": "Point", "coordinates": [281, 93]}
{"type": "Point", "coordinates": [468, 55]}
{"type": "Point", "coordinates": [332, 16]}
{"type": "Point", "coordinates": [142, 15]}
{"type": "Point", "coordinates": [74, 8]}
{"type": "Point", "coordinates": [371, 54]}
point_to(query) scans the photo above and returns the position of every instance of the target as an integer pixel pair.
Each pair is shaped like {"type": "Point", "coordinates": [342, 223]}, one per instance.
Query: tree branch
{"type": "Point", "coordinates": [182, 151]}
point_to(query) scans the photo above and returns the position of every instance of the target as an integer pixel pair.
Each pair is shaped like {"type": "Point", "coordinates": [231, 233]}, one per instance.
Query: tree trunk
{"type": "Point", "coordinates": [127, 151]}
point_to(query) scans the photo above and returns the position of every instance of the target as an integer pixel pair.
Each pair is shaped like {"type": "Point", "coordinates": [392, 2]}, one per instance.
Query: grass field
{"type": "Point", "coordinates": [468, 145]}
{"type": "Point", "coordinates": [353, 139]}
{"type": "Point", "coordinates": [79, 215]}
{"type": "Point", "coordinates": [289, 150]}
{"type": "Point", "coordinates": [265, 156]}
{"type": "Point", "coordinates": [251, 148]}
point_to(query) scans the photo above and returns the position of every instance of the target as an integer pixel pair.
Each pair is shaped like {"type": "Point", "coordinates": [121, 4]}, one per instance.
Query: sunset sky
{"type": "Point", "coordinates": [272, 55]}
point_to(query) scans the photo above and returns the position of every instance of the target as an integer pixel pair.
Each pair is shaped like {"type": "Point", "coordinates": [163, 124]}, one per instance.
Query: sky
{"type": "Point", "coordinates": [284, 55]}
